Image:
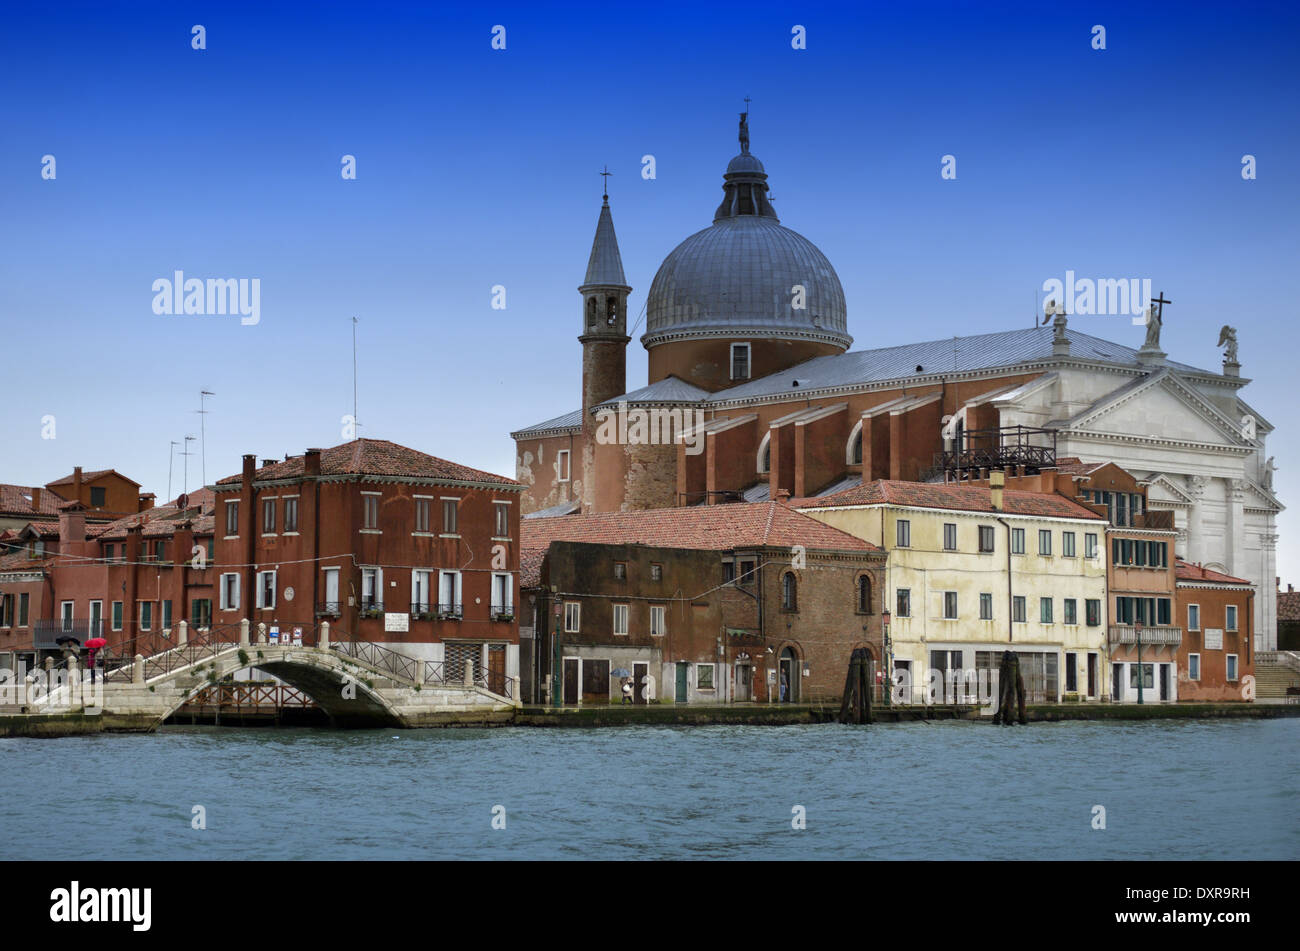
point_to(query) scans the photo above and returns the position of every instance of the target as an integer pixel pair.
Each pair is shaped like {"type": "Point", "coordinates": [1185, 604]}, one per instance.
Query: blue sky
{"type": "Point", "coordinates": [478, 167]}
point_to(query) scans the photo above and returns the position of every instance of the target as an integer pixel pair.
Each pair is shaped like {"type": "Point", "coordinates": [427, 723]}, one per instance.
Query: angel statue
{"type": "Point", "coordinates": [1228, 337]}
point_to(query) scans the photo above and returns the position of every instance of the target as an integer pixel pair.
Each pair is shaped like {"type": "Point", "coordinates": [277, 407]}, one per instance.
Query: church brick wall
{"type": "Point", "coordinates": [707, 363]}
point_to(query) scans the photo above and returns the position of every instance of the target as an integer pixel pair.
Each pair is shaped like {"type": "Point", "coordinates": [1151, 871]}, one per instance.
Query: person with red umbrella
{"type": "Point", "coordinates": [94, 646]}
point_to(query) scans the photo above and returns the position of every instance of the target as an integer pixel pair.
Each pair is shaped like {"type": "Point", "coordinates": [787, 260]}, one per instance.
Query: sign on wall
{"type": "Point", "coordinates": [1214, 638]}
{"type": "Point", "coordinates": [397, 622]}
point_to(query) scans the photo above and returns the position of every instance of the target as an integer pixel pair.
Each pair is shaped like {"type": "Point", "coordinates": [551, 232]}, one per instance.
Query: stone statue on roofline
{"type": "Point", "coordinates": [1154, 322]}
{"type": "Point", "coordinates": [1228, 339]}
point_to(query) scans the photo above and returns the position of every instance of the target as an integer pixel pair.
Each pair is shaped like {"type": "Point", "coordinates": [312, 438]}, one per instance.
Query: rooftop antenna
{"type": "Point", "coordinates": [203, 433]}
{"type": "Point", "coordinates": [185, 481]}
{"type": "Point", "coordinates": [171, 459]}
{"type": "Point", "coordinates": [354, 377]}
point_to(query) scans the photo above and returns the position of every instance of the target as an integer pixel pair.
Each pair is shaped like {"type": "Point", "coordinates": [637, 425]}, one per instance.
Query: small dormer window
{"type": "Point", "coordinates": [97, 497]}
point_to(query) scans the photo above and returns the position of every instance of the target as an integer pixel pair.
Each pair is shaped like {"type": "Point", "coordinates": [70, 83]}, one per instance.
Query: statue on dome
{"type": "Point", "coordinates": [744, 132]}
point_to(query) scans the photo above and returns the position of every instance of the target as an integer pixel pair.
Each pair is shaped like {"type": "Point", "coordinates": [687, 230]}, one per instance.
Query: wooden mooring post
{"type": "Point", "coordinates": [1011, 691]}
{"type": "Point", "coordinates": [855, 707]}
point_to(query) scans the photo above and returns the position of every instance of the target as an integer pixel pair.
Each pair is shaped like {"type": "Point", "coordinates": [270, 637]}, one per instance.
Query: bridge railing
{"type": "Point", "coordinates": [397, 665]}
{"type": "Point", "coordinates": [163, 656]}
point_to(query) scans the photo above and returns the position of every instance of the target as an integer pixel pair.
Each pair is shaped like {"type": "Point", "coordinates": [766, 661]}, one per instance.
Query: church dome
{"type": "Point", "coordinates": [734, 278]}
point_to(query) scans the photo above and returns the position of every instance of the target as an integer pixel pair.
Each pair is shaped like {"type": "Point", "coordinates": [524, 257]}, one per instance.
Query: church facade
{"type": "Point", "coordinates": [754, 394]}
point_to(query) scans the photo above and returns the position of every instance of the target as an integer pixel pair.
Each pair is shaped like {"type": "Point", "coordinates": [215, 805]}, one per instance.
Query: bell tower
{"type": "Point", "coordinates": [604, 336]}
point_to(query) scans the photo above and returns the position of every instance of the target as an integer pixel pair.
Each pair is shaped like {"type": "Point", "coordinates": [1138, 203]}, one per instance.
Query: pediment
{"type": "Point", "coordinates": [1161, 407]}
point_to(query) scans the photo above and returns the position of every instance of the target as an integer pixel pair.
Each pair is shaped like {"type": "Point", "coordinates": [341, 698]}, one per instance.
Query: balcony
{"type": "Point", "coordinates": [371, 607]}
{"type": "Point", "coordinates": [422, 611]}
{"type": "Point", "coordinates": [449, 612]}
{"type": "Point", "coordinates": [1151, 636]}
{"type": "Point", "coordinates": [45, 634]}
{"type": "Point", "coordinates": [329, 609]}
{"type": "Point", "coordinates": [503, 612]}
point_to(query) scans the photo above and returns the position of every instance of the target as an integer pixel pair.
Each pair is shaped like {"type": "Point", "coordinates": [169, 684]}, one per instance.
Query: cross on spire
{"type": "Point", "coordinates": [605, 175]}
{"type": "Point", "coordinates": [1160, 310]}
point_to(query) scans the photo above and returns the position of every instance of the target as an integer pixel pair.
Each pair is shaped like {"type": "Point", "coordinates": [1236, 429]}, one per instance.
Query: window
{"type": "Point", "coordinates": [656, 572]}
{"type": "Point", "coordinates": [1193, 666]}
{"type": "Point", "coordinates": [266, 589]}
{"type": "Point", "coordinates": [1070, 611]}
{"type": "Point", "coordinates": [950, 605]}
{"type": "Point", "coordinates": [268, 516]}
{"type": "Point", "coordinates": [1140, 554]}
{"type": "Point", "coordinates": [1017, 541]}
{"type": "Point", "coordinates": [230, 591]}
{"type": "Point", "coordinates": [1231, 667]}
{"type": "Point", "coordinates": [740, 361]}
{"type": "Point", "coordinates": [765, 454]}
{"type": "Point", "coordinates": [620, 619]}
{"type": "Point", "coordinates": [502, 527]}
{"type": "Point", "coordinates": [6, 609]}
{"type": "Point", "coordinates": [422, 515]}
{"type": "Point", "coordinates": [108, 553]}
{"type": "Point", "coordinates": [658, 622]}
{"type": "Point", "coordinates": [1121, 508]}
{"type": "Point", "coordinates": [232, 518]}
{"type": "Point", "coordinates": [904, 605]}
{"type": "Point", "coordinates": [1090, 545]}
{"type": "Point", "coordinates": [1067, 544]}
{"type": "Point", "coordinates": [1018, 608]}
{"type": "Point", "coordinates": [291, 515]}
{"type": "Point", "coordinates": [562, 465]}
{"type": "Point", "coordinates": [372, 594]}
{"type": "Point", "coordinates": [746, 573]}
{"type": "Point", "coordinates": [1092, 612]}
{"type": "Point", "coordinates": [904, 530]}
{"type": "Point", "coordinates": [1230, 617]}
{"type": "Point", "coordinates": [146, 615]}
{"type": "Point", "coordinates": [166, 614]}
{"type": "Point", "coordinates": [449, 593]}
{"type": "Point", "coordinates": [864, 595]}
{"type": "Point", "coordinates": [728, 572]}
{"type": "Point", "coordinates": [1044, 541]}
{"type": "Point", "coordinates": [1165, 612]}
{"type": "Point", "coordinates": [789, 592]}
{"type": "Point", "coordinates": [23, 604]}
{"type": "Point", "coordinates": [572, 616]}
{"type": "Point", "coordinates": [212, 547]}
{"type": "Point", "coordinates": [620, 570]}
{"type": "Point", "coordinates": [369, 511]}
{"type": "Point", "coordinates": [420, 591]}
{"type": "Point", "coordinates": [1045, 610]}
{"type": "Point", "coordinates": [201, 613]}
{"type": "Point", "coordinates": [117, 616]}
{"type": "Point", "coordinates": [704, 676]}
{"type": "Point", "coordinates": [986, 607]}
{"type": "Point", "coordinates": [98, 497]}
{"type": "Point", "coordinates": [160, 550]}
{"type": "Point", "coordinates": [986, 538]}
{"type": "Point", "coordinates": [949, 536]}
{"type": "Point", "coordinates": [1148, 676]}
{"type": "Point", "coordinates": [503, 595]}
{"type": "Point", "coordinates": [65, 615]}
{"type": "Point", "coordinates": [1193, 617]}
{"type": "Point", "coordinates": [450, 522]}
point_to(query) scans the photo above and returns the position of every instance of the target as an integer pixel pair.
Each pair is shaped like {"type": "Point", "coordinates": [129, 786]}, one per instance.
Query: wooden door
{"type": "Point", "coordinates": [571, 679]}
{"type": "Point", "coordinates": [639, 674]}
{"type": "Point", "coordinates": [496, 668]}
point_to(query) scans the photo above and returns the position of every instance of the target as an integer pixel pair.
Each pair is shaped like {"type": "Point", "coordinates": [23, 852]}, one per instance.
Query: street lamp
{"type": "Point", "coordinates": [1137, 628]}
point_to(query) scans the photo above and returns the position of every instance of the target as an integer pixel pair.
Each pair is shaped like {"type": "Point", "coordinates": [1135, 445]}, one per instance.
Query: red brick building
{"type": "Point", "coordinates": [710, 604]}
{"type": "Point", "coordinates": [128, 580]}
{"type": "Point", "coordinates": [1217, 651]}
{"type": "Point", "coordinates": [389, 544]}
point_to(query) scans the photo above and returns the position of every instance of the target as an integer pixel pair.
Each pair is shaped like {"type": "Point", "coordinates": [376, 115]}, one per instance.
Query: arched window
{"type": "Point", "coordinates": [853, 451]}
{"type": "Point", "coordinates": [864, 594]}
{"type": "Point", "coordinates": [789, 592]}
{"type": "Point", "coordinates": [765, 455]}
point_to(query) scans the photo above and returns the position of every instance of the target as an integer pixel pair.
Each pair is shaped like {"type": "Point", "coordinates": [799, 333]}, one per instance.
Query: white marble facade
{"type": "Point", "coordinates": [1190, 435]}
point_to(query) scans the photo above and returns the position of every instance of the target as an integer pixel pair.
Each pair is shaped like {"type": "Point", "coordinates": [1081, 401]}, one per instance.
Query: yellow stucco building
{"type": "Point", "coordinates": [975, 570]}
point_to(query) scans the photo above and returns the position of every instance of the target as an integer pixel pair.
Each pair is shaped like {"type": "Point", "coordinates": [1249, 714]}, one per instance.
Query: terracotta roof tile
{"type": "Point", "coordinates": [16, 500]}
{"type": "Point", "coordinates": [709, 527]}
{"type": "Point", "coordinates": [1288, 605]}
{"type": "Point", "coordinates": [967, 498]}
{"type": "Point", "coordinates": [1190, 571]}
{"type": "Point", "coordinates": [377, 457]}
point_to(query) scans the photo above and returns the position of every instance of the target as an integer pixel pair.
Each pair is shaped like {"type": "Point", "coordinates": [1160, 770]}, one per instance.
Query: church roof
{"type": "Point", "coordinates": [951, 355]}
{"type": "Point", "coordinates": [670, 389]}
{"type": "Point", "coordinates": [605, 266]}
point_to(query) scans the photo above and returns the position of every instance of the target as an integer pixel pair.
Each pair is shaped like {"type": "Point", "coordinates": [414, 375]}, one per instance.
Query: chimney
{"type": "Point", "coordinates": [72, 524]}
{"type": "Point", "coordinates": [269, 462]}
{"type": "Point", "coordinates": [147, 501]}
{"type": "Point", "coordinates": [783, 495]}
{"type": "Point", "coordinates": [311, 463]}
{"type": "Point", "coordinates": [250, 466]}
{"type": "Point", "coordinates": [36, 503]}
{"type": "Point", "coordinates": [997, 479]}
{"type": "Point", "coordinates": [76, 483]}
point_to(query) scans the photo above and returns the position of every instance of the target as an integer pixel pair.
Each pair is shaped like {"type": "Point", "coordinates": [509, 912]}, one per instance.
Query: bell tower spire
{"type": "Point", "coordinates": [604, 336]}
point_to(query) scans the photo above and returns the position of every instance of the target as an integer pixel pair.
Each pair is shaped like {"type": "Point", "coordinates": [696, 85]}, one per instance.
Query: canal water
{"type": "Point", "coordinates": [1195, 789]}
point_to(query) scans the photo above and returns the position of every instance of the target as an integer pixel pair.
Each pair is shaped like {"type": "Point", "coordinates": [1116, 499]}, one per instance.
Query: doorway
{"type": "Point", "coordinates": [788, 684]}
{"type": "Point", "coordinates": [640, 683]}
{"type": "Point", "coordinates": [1164, 681]}
{"type": "Point", "coordinates": [595, 681]}
{"type": "Point", "coordinates": [744, 689]}
{"type": "Point", "coordinates": [571, 680]}
{"type": "Point", "coordinates": [1092, 675]}
{"type": "Point", "coordinates": [1116, 682]}
{"type": "Point", "coordinates": [680, 694]}
{"type": "Point", "coordinates": [902, 681]}
{"type": "Point", "coordinates": [496, 668]}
